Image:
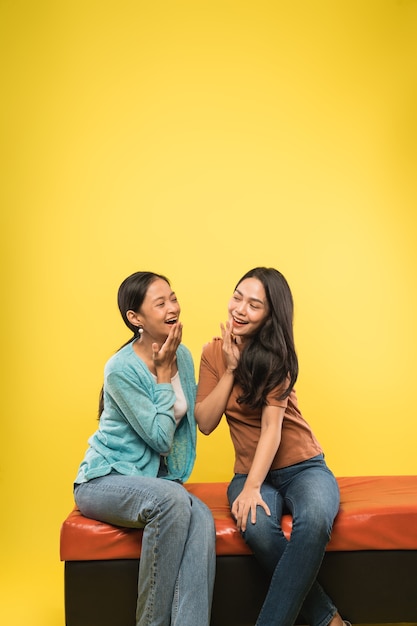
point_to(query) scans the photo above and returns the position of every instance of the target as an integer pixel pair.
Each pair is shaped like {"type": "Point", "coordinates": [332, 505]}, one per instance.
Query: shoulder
{"type": "Point", "coordinates": [121, 356]}
{"type": "Point", "coordinates": [213, 347]}
{"type": "Point", "coordinates": [183, 351]}
{"type": "Point", "coordinates": [184, 354]}
{"type": "Point", "coordinates": [184, 358]}
{"type": "Point", "coordinates": [125, 360]}
{"type": "Point", "coordinates": [212, 354]}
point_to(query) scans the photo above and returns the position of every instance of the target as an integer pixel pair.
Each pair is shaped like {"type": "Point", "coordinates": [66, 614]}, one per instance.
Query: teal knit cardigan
{"type": "Point", "coordinates": [137, 425]}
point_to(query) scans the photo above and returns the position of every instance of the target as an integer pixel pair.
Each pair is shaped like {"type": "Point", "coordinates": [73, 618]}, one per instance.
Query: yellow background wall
{"type": "Point", "coordinates": [199, 139]}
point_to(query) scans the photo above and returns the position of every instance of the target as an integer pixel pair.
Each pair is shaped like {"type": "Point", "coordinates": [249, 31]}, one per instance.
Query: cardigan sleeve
{"type": "Point", "coordinates": [149, 410]}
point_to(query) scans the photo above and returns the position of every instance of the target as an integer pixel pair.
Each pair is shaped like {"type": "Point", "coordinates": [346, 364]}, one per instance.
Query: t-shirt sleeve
{"type": "Point", "coordinates": [273, 397]}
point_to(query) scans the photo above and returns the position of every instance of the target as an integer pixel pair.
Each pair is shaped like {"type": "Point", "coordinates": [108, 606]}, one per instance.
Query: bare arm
{"type": "Point", "coordinates": [209, 411]}
{"type": "Point", "coordinates": [268, 444]}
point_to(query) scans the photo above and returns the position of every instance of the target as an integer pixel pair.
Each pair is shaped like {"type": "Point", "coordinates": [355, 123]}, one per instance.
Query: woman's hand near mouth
{"type": "Point", "coordinates": [230, 349]}
{"type": "Point", "coordinates": [164, 357]}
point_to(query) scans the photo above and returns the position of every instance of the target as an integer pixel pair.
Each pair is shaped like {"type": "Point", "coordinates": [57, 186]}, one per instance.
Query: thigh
{"type": "Point", "coordinates": [129, 501]}
{"type": "Point", "coordinates": [309, 490]}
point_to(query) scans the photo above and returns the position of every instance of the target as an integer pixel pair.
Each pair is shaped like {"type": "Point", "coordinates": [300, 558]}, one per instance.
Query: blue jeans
{"type": "Point", "coordinates": [308, 491]}
{"type": "Point", "coordinates": [177, 564]}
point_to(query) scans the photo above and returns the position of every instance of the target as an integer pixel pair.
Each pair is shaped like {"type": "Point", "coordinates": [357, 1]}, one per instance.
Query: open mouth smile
{"type": "Point", "coordinates": [239, 322]}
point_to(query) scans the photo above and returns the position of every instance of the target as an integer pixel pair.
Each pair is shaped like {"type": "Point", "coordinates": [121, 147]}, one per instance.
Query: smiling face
{"type": "Point", "coordinates": [248, 308]}
{"type": "Point", "coordinates": [159, 311]}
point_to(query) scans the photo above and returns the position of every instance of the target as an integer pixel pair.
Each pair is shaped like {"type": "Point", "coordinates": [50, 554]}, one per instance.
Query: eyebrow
{"type": "Point", "coordinates": [252, 299]}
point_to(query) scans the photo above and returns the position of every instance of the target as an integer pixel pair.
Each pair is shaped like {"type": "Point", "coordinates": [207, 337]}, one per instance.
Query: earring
{"type": "Point", "coordinates": [140, 331]}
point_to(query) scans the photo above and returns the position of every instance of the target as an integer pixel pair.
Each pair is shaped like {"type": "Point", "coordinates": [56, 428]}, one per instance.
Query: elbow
{"type": "Point", "coordinates": [164, 448]}
{"type": "Point", "coordinates": [205, 430]}
{"type": "Point", "coordinates": [206, 422]}
{"type": "Point", "coordinates": [163, 441]}
{"type": "Point", "coordinates": [202, 427]}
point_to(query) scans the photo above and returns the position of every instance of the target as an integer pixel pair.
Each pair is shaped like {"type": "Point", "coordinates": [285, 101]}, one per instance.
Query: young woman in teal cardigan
{"type": "Point", "coordinates": [142, 452]}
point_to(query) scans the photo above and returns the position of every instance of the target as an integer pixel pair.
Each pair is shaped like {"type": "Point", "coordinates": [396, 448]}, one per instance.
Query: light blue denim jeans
{"type": "Point", "coordinates": [177, 564]}
{"type": "Point", "coordinates": [308, 491]}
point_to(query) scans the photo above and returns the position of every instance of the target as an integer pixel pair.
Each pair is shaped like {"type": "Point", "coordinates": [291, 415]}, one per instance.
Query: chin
{"type": "Point", "coordinates": [240, 330]}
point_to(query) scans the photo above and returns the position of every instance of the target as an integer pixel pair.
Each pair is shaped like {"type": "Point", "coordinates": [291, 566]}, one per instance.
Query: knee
{"type": "Point", "coordinates": [178, 497]}
{"type": "Point", "coordinates": [174, 504]}
{"type": "Point", "coordinates": [264, 534]}
{"type": "Point", "coordinates": [315, 522]}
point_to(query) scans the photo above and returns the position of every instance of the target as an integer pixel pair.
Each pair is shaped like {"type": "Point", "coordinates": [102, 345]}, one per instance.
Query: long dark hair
{"type": "Point", "coordinates": [269, 357]}
{"type": "Point", "coordinates": [130, 297]}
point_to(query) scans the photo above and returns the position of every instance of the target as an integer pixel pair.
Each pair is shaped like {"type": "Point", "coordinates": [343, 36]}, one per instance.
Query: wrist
{"type": "Point", "coordinates": [253, 484]}
{"type": "Point", "coordinates": [163, 374]}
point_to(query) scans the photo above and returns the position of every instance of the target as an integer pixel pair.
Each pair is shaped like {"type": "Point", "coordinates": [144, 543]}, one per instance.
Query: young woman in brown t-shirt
{"type": "Point", "coordinates": [249, 377]}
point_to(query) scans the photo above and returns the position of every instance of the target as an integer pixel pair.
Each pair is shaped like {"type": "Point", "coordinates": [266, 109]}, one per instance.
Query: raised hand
{"type": "Point", "coordinates": [164, 356]}
{"type": "Point", "coordinates": [230, 348]}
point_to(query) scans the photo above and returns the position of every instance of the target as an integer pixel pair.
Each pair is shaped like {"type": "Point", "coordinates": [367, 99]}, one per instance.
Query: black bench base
{"type": "Point", "coordinates": [368, 587]}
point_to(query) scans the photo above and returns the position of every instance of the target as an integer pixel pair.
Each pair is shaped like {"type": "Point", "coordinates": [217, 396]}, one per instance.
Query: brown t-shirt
{"type": "Point", "coordinates": [298, 442]}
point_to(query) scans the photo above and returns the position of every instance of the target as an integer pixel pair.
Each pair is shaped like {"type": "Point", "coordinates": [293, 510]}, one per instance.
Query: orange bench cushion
{"type": "Point", "coordinates": [376, 513]}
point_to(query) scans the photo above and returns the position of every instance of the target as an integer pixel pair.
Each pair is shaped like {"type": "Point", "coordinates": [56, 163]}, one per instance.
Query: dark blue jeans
{"type": "Point", "coordinates": [310, 492]}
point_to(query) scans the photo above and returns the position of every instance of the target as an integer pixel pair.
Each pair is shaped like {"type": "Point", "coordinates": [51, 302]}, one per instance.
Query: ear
{"type": "Point", "coordinates": [133, 318]}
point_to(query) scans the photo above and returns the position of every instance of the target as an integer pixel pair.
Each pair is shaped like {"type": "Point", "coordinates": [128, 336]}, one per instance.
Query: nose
{"type": "Point", "coordinates": [174, 307]}
{"type": "Point", "coordinates": [240, 307]}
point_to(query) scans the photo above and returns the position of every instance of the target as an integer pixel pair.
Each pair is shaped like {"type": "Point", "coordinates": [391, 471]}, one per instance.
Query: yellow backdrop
{"type": "Point", "coordinates": [199, 139]}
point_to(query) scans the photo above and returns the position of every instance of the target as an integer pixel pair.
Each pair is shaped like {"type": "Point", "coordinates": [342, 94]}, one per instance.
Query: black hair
{"type": "Point", "coordinates": [269, 359]}
{"type": "Point", "coordinates": [132, 293]}
{"type": "Point", "coordinates": [130, 297]}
